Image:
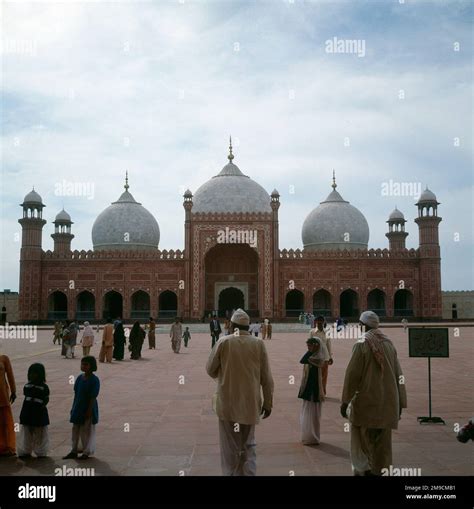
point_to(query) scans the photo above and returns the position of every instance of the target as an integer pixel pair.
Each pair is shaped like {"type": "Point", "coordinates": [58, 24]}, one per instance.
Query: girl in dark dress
{"type": "Point", "coordinates": [34, 418]}
{"type": "Point", "coordinates": [119, 342]}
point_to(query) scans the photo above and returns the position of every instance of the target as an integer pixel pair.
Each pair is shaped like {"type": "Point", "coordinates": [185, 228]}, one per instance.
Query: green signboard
{"type": "Point", "coordinates": [428, 342]}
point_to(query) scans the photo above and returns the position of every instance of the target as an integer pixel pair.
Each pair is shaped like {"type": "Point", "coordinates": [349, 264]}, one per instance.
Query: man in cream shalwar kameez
{"type": "Point", "coordinates": [241, 367]}
{"type": "Point", "coordinates": [373, 397]}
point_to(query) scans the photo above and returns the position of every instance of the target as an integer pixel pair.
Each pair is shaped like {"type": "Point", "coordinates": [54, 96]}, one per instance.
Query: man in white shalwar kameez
{"type": "Point", "coordinates": [373, 397]}
{"type": "Point", "coordinates": [243, 373]}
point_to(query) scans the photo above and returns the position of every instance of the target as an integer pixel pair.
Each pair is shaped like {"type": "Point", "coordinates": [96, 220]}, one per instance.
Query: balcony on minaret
{"type": "Point", "coordinates": [62, 235]}
{"type": "Point", "coordinates": [396, 230]}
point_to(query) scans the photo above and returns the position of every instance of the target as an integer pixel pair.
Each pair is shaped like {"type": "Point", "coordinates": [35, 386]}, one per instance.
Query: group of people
{"type": "Point", "coordinates": [34, 418]}
{"type": "Point", "coordinates": [372, 400]}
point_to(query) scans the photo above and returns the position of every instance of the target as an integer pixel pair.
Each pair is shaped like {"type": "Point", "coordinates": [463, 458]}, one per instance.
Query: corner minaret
{"type": "Point", "coordinates": [429, 256]}
{"type": "Point", "coordinates": [32, 224]}
{"type": "Point", "coordinates": [396, 230]}
{"type": "Point", "coordinates": [62, 235]}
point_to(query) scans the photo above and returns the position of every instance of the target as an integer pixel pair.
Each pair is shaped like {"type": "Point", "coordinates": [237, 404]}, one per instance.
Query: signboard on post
{"type": "Point", "coordinates": [428, 342]}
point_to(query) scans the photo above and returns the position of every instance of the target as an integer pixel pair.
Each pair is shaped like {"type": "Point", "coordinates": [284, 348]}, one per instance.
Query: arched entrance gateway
{"type": "Point", "coordinates": [113, 305]}
{"type": "Point", "coordinates": [231, 279]}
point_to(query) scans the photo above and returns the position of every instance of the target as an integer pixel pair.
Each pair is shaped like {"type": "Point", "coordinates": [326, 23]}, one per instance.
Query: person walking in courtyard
{"type": "Point", "coordinates": [242, 369]}
{"type": "Point", "coordinates": [176, 333]}
{"type": "Point", "coordinates": [107, 347]}
{"type": "Point", "coordinates": [73, 329]}
{"type": "Point", "coordinates": [326, 349]}
{"type": "Point", "coordinates": [87, 340]}
{"type": "Point", "coordinates": [58, 327]}
{"type": "Point", "coordinates": [119, 343]}
{"type": "Point", "coordinates": [215, 328]}
{"type": "Point", "coordinates": [136, 339]}
{"type": "Point", "coordinates": [372, 398]}
{"type": "Point", "coordinates": [7, 397]}
{"type": "Point", "coordinates": [311, 392]}
{"type": "Point", "coordinates": [186, 337]}
{"type": "Point", "coordinates": [66, 336]}
{"type": "Point", "coordinates": [151, 334]}
{"type": "Point", "coordinates": [34, 418]}
{"type": "Point", "coordinates": [269, 329]}
{"type": "Point", "coordinates": [85, 410]}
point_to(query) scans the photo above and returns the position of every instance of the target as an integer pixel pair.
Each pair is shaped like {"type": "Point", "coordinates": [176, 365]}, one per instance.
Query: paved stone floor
{"type": "Point", "coordinates": [172, 427]}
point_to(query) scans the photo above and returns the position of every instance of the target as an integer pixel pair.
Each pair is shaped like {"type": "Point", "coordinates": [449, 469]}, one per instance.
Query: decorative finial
{"type": "Point", "coordinates": [126, 186]}
{"type": "Point", "coordinates": [231, 155]}
{"type": "Point", "coordinates": [334, 185]}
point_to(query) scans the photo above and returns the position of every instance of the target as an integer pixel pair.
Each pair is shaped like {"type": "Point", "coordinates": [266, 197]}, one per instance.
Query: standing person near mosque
{"type": "Point", "coordinates": [106, 350]}
{"type": "Point", "coordinates": [87, 340]}
{"type": "Point", "coordinates": [7, 397]}
{"type": "Point", "coordinates": [73, 331]}
{"type": "Point", "coordinates": [151, 334]}
{"type": "Point", "coordinates": [372, 398]}
{"type": "Point", "coordinates": [215, 327]}
{"type": "Point", "coordinates": [176, 333]}
{"type": "Point", "coordinates": [136, 338]}
{"type": "Point", "coordinates": [240, 365]}
{"type": "Point", "coordinates": [186, 337]}
{"type": "Point", "coordinates": [58, 327]}
{"type": "Point", "coordinates": [118, 351]}
{"type": "Point", "coordinates": [85, 410]}
{"type": "Point", "coordinates": [326, 349]}
{"type": "Point", "coordinates": [311, 392]}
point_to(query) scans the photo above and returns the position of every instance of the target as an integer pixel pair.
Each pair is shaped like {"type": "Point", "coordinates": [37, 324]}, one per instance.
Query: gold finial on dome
{"type": "Point", "coordinates": [126, 186]}
{"type": "Point", "coordinates": [231, 155]}
{"type": "Point", "coordinates": [334, 185]}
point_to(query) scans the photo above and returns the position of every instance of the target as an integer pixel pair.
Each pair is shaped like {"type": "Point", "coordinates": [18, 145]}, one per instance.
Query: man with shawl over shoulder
{"type": "Point", "coordinates": [372, 398]}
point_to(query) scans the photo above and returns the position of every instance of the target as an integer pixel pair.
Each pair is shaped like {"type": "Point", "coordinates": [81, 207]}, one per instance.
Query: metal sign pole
{"type": "Point", "coordinates": [430, 418]}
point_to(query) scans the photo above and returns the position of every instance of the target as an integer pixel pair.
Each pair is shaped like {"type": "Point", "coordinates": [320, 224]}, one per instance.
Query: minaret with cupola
{"type": "Point", "coordinates": [62, 235]}
{"type": "Point", "coordinates": [429, 254]}
{"type": "Point", "coordinates": [32, 224]}
{"type": "Point", "coordinates": [396, 230]}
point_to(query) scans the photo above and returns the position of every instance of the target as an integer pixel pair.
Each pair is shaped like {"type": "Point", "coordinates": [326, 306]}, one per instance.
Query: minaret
{"type": "Point", "coordinates": [62, 235]}
{"type": "Point", "coordinates": [429, 255]}
{"type": "Point", "coordinates": [396, 230]}
{"type": "Point", "coordinates": [32, 224]}
{"type": "Point", "coordinates": [188, 205]}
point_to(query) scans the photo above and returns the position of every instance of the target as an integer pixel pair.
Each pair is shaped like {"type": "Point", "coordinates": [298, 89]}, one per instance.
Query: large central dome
{"type": "Point", "coordinates": [335, 224]}
{"type": "Point", "coordinates": [231, 191]}
{"type": "Point", "coordinates": [125, 224]}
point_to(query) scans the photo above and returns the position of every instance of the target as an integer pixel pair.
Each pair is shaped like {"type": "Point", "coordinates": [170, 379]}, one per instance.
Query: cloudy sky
{"type": "Point", "coordinates": [92, 89]}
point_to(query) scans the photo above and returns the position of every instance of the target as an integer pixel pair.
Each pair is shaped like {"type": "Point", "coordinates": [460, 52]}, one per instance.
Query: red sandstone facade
{"type": "Point", "coordinates": [208, 275]}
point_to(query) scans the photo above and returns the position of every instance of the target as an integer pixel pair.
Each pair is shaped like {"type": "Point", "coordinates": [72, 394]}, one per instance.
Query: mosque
{"type": "Point", "coordinates": [231, 258]}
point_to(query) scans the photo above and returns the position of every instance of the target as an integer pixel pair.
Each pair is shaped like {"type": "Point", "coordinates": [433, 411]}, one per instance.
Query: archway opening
{"type": "Point", "coordinates": [403, 303]}
{"type": "Point", "coordinates": [85, 306]}
{"type": "Point", "coordinates": [140, 308]}
{"type": "Point", "coordinates": [294, 303]}
{"type": "Point", "coordinates": [376, 302]}
{"type": "Point", "coordinates": [230, 299]}
{"type": "Point", "coordinates": [167, 304]}
{"type": "Point", "coordinates": [322, 303]}
{"type": "Point", "coordinates": [57, 306]}
{"type": "Point", "coordinates": [113, 305]}
{"type": "Point", "coordinates": [231, 266]}
{"type": "Point", "coordinates": [348, 304]}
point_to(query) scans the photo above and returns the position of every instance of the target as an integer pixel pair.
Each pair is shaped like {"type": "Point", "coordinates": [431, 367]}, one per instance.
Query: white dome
{"type": "Point", "coordinates": [62, 217]}
{"type": "Point", "coordinates": [427, 196]}
{"type": "Point", "coordinates": [125, 224]}
{"type": "Point", "coordinates": [33, 198]}
{"type": "Point", "coordinates": [231, 191]}
{"type": "Point", "coordinates": [396, 215]}
{"type": "Point", "coordinates": [335, 224]}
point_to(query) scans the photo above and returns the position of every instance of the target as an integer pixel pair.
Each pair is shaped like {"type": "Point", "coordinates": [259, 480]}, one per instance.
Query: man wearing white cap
{"type": "Point", "coordinates": [372, 398]}
{"type": "Point", "coordinates": [243, 373]}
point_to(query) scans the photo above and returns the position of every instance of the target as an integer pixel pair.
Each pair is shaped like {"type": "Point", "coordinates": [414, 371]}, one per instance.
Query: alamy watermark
{"type": "Point", "coordinates": [68, 188]}
{"type": "Point", "coordinates": [229, 236]}
{"type": "Point", "coordinates": [29, 332]}
{"type": "Point", "coordinates": [351, 46]}
{"type": "Point", "coordinates": [392, 188]}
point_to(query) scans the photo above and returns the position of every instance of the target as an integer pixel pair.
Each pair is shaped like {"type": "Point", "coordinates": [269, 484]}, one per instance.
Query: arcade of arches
{"type": "Point", "coordinates": [350, 305]}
